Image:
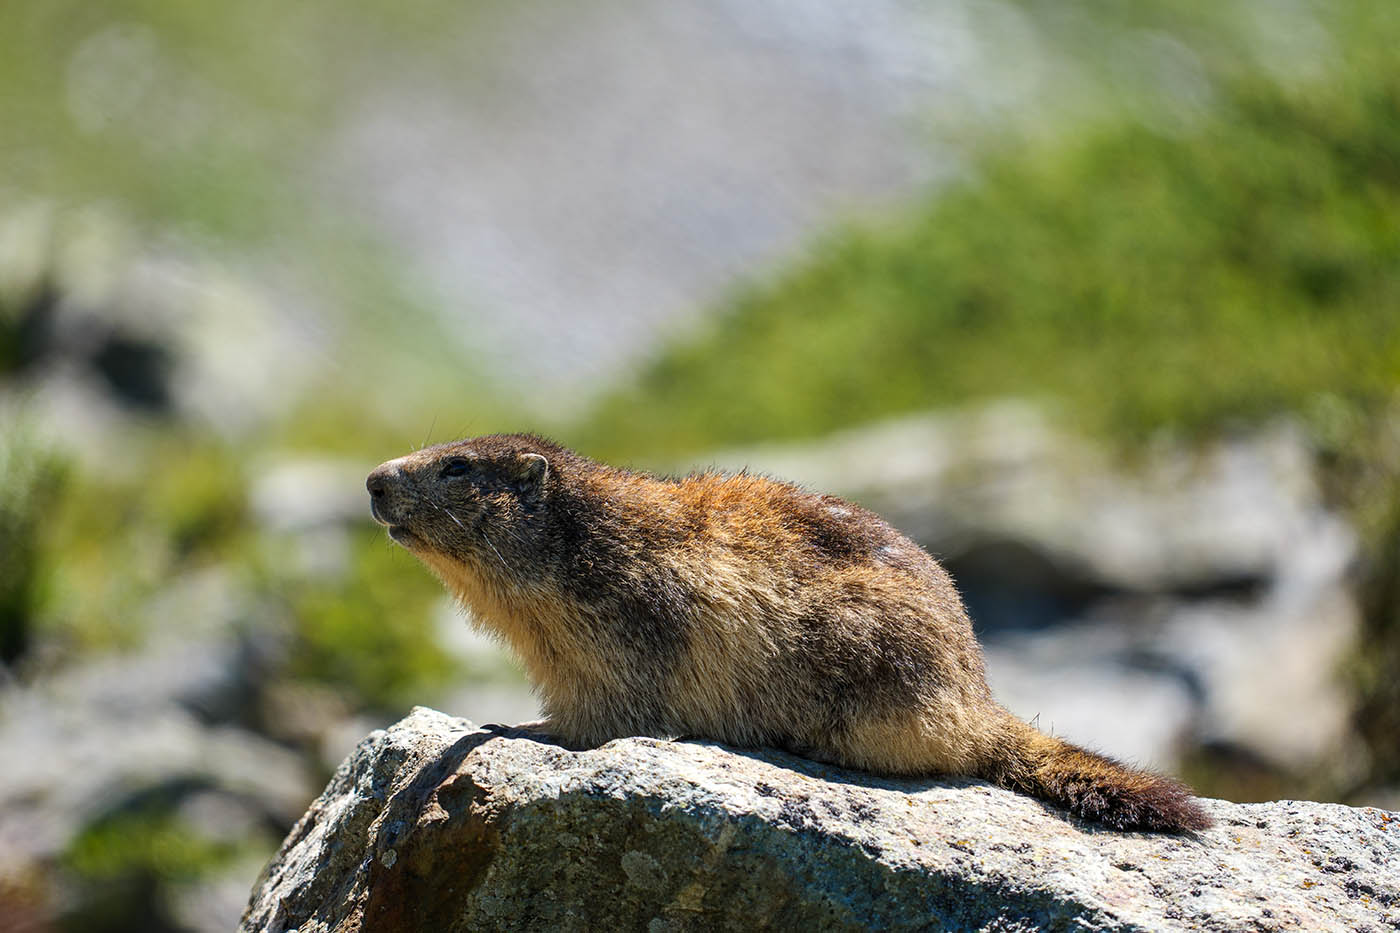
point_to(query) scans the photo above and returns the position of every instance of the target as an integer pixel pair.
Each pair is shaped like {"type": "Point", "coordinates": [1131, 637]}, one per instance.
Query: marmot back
{"type": "Point", "coordinates": [737, 608]}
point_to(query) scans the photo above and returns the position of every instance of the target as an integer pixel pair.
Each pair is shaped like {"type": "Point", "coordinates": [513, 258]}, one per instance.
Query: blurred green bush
{"type": "Point", "coordinates": [370, 631]}
{"type": "Point", "coordinates": [83, 556]}
{"type": "Point", "coordinates": [1141, 278]}
{"type": "Point", "coordinates": [31, 483]}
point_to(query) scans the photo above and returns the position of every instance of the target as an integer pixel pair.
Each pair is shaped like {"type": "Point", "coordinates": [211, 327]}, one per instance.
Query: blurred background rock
{"type": "Point", "coordinates": [1100, 301]}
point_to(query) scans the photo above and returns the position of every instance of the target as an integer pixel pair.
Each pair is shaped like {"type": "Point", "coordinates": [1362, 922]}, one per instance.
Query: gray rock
{"type": "Point", "coordinates": [88, 741]}
{"type": "Point", "coordinates": [436, 825]}
{"type": "Point", "coordinates": [1071, 680]}
{"type": "Point", "coordinates": [66, 769]}
{"type": "Point", "coordinates": [212, 904]}
{"type": "Point", "coordinates": [140, 327]}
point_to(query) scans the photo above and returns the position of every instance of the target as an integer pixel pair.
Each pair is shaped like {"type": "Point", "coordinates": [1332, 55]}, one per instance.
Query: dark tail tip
{"type": "Point", "coordinates": [1141, 801]}
{"type": "Point", "coordinates": [1097, 788]}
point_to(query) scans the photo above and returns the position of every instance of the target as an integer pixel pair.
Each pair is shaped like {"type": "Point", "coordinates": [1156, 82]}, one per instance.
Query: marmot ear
{"type": "Point", "coordinates": [531, 470]}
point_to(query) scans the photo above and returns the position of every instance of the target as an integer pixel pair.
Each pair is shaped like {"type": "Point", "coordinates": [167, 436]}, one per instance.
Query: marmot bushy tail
{"type": "Point", "coordinates": [737, 608]}
{"type": "Point", "coordinates": [1090, 785]}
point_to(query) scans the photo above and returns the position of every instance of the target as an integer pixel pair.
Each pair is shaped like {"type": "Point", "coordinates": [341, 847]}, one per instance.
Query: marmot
{"type": "Point", "coordinates": [737, 608]}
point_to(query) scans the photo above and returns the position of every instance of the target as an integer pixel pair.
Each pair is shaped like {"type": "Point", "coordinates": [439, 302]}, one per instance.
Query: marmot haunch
{"type": "Point", "coordinates": [737, 608]}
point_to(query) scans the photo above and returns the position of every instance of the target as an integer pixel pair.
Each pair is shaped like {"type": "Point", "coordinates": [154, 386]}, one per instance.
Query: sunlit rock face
{"type": "Point", "coordinates": [435, 824]}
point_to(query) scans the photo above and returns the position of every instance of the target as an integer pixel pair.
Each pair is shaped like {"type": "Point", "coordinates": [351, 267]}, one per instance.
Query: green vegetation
{"type": "Point", "coordinates": [31, 483]}
{"type": "Point", "coordinates": [84, 553]}
{"type": "Point", "coordinates": [120, 533]}
{"type": "Point", "coordinates": [193, 114]}
{"type": "Point", "coordinates": [128, 864]}
{"type": "Point", "coordinates": [369, 631]}
{"type": "Point", "coordinates": [1141, 279]}
{"type": "Point", "coordinates": [151, 841]}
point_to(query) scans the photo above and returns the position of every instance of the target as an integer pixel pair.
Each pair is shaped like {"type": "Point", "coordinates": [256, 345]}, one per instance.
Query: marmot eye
{"type": "Point", "coordinates": [457, 466]}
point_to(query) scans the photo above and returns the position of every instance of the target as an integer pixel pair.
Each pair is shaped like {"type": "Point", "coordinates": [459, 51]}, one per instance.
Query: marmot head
{"type": "Point", "coordinates": [474, 499]}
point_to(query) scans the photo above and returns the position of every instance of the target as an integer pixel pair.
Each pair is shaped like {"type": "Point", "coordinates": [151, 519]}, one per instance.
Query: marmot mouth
{"type": "Point", "coordinates": [402, 535]}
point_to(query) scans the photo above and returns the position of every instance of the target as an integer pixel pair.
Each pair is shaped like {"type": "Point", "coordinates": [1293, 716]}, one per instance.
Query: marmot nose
{"type": "Point", "coordinates": [380, 479]}
{"type": "Point", "coordinates": [385, 484]}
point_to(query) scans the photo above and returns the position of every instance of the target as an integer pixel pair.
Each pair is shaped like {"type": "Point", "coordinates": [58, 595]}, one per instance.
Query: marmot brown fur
{"type": "Point", "coordinates": [734, 608]}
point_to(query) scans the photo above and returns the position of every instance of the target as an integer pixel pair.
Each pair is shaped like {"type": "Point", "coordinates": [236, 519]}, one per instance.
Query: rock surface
{"type": "Point", "coordinates": [435, 824]}
{"type": "Point", "coordinates": [153, 735]}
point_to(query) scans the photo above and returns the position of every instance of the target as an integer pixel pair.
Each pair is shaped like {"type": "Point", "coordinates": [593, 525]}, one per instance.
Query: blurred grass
{"type": "Point", "coordinates": [129, 864]}
{"type": "Point", "coordinates": [150, 840]}
{"type": "Point", "coordinates": [194, 114]}
{"type": "Point", "coordinates": [83, 557]}
{"type": "Point", "coordinates": [369, 632]}
{"type": "Point", "coordinates": [1142, 279]}
{"type": "Point", "coordinates": [31, 483]}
